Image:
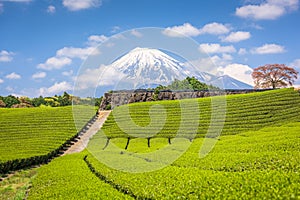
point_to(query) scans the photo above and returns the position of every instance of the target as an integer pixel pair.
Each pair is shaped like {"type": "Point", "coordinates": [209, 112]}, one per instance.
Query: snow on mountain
{"type": "Point", "coordinates": [146, 67]}
{"type": "Point", "coordinates": [227, 82]}
{"type": "Point", "coordinates": [150, 65]}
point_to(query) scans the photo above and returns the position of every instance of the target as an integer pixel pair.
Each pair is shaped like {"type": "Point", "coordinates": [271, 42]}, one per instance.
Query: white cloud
{"type": "Point", "coordinates": [288, 4]}
{"type": "Point", "coordinates": [136, 33]}
{"type": "Point", "coordinates": [256, 26]}
{"type": "Point", "coordinates": [222, 65]}
{"type": "Point", "coordinates": [227, 57]}
{"type": "Point", "coordinates": [214, 29]}
{"type": "Point", "coordinates": [189, 30]}
{"type": "Point", "coordinates": [39, 75]}
{"type": "Point", "coordinates": [60, 87]}
{"type": "Point", "coordinates": [242, 51]}
{"type": "Point", "coordinates": [75, 5]}
{"type": "Point", "coordinates": [55, 63]}
{"type": "Point", "coordinates": [238, 71]}
{"type": "Point", "coordinates": [216, 48]}
{"type": "Point", "coordinates": [212, 63]}
{"type": "Point", "coordinates": [268, 49]}
{"type": "Point", "coordinates": [295, 64]}
{"type": "Point", "coordinates": [95, 40]}
{"type": "Point", "coordinates": [13, 76]}
{"type": "Point", "coordinates": [64, 55]}
{"type": "Point", "coordinates": [68, 73]}
{"type": "Point", "coordinates": [16, 1]}
{"type": "Point", "coordinates": [55, 89]}
{"type": "Point", "coordinates": [258, 12]}
{"type": "Point", "coordinates": [237, 36]}
{"type": "Point", "coordinates": [269, 10]}
{"type": "Point", "coordinates": [51, 9]}
{"type": "Point", "coordinates": [115, 29]}
{"type": "Point", "coordinates": [1, 8]}
{"type": "Point", "coordinates": [81, 53]}
{"type": "Point", "coordinates": [6, 56]}
{"type": "Point", "coordinates": [221, 61]}
{"type": "Point", "coordinates": [101, 76]}
{"type": "Point", "coordinates": [180, 31]}
{"type": "Point", "coordinates": [1, 80]}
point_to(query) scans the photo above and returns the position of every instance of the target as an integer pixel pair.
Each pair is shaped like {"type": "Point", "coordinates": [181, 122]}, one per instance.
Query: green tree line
{"type": "Point", "coordinates": [189, 83]}
{"type": "Point", "coordinates": [56, 101]}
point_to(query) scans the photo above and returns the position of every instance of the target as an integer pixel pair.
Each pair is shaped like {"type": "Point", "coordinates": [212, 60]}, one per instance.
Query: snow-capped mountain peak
{"type": "Point", "coordinates": [147, 66]}
{"type": "Point", "coordinates": [150, 64]}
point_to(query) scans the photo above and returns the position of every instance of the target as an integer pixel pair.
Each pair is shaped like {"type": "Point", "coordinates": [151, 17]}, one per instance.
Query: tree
{"type": "Point", "coordinates": [274, 76]}
{"type": "Point", "coordinates": [180, 85]}
{"type": "Point", "coordinates": [36, 102]}
{"type": "Point", "coordinates": [25, 100]}
{"type": "Point", "coordinates": [10, 101]}
{"type": "Point", "coordinates": [65, 99]}
{"type": "Point", "coordinates": [196, 84]}
{"type": "Point", "coordinates": [2, 104]}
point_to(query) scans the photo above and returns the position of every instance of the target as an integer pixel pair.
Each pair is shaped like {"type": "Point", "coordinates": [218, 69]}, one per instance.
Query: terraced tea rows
{"type": "Point", "coordinates": [31, 136]}
{"type": "Point", "coordinates": [175, 118]}
{"type": "Point", "coordinates": [257, 155]}
{"type": "Point", "coordinates": [260, 164]}
{"type": "Point", "coordinates": [68, 177]}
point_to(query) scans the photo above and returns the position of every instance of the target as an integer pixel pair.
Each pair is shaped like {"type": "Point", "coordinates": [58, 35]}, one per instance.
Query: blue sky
{"type": "Point", "coordinates": [44, 42]}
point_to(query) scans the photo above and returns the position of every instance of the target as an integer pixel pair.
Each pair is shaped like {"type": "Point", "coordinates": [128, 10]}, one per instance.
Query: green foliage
{"type": "Point", "coordinates": [180, 85]}
{"type": "Point", "coordinates": [243, 113]}
{"type": "Point", "coordinates": [189, 83]}
{"type": "Point", "coordinates": [32, 136]}
{"type": "Point", "coordinates": [251, 165]}
{"type": "Point", "coordinates": [160, 87]}
{"type": "Point", "coordinates": [36, 102]}
{"type": "Point", "coordinates": [68, 177]}
{"type": "Point", "coordinates": [98, 101]}
{"type": "Point", "coordinates": [10, 101]}
{"type": "Point", "coordinates": [56, 101]}
{"type": "Point", "coordinates": [260, 164]}
{"type": "Point", "coordinates": [65, 99]}
{"type": "Point", "coordinates": [15, 186]}
{"type": "Point", "coordinates": [108, 107]}
{"type": "Point", "coordinates": [256, 157]}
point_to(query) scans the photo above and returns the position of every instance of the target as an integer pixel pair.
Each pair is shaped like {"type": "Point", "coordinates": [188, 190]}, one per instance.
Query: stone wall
{"type": "Point", "coordinates": [117, 98]}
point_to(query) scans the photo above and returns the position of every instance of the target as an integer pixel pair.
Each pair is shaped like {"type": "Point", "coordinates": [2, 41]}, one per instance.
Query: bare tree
{"type": "Point", "coordinates": [274, 76]}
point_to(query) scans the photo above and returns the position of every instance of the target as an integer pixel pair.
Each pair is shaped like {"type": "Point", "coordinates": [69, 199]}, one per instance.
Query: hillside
{"type": "Point", "coordinates": [232, 114]}
{"type": "Point", "coordinates": [34, 135]}
{"type": "Point", "coordinates": [256, 157]}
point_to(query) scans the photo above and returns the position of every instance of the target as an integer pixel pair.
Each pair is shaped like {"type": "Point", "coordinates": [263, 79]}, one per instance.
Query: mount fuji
{"type": "Point", "coordinates": [150, 67]}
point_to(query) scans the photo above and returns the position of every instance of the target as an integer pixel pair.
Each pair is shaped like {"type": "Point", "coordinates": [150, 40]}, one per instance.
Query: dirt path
{"type": "Point", "coordinates": [84, 139]}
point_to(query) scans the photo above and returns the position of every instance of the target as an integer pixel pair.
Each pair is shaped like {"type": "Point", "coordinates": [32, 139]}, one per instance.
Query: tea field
{"type": "Point", "coordinates": [257, 155]}
{"type": "Point", "coordinates": [33, 136]}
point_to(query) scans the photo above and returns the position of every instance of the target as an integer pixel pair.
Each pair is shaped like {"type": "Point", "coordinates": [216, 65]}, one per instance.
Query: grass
{"type": "Point", "coordinates": [16, 185]}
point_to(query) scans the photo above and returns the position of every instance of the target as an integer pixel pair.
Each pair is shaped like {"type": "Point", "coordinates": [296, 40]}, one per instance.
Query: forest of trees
{"type": "Point", "coordinates": [189, 83]}
{"type": "Point", "coordinates": [58, 100]}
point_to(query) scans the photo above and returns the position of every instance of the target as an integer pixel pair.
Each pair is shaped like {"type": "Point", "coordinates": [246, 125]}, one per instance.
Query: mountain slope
{"type": "Point", "coordinates": [147, 67]}
{"type": "Point", "coordinates": [149, 64]}
{"type": "Point", "coordinates": [229, 83]}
